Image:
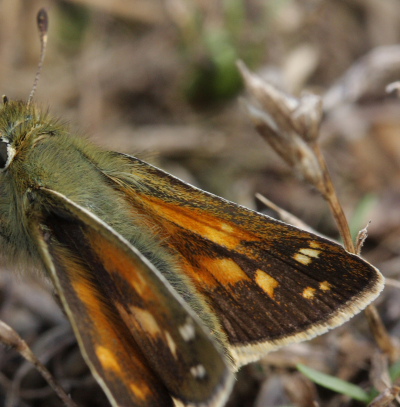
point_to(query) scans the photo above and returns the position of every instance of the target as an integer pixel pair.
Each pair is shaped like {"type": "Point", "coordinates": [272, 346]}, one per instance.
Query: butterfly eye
{"type": "Point", "coordinates": [6, 154]}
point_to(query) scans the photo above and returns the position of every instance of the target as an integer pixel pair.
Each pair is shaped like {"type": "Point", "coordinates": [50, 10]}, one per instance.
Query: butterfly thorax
{"type": "Point", "coordinates": [39, 152]}
{"type": "Point", "coordinates": [36, 151]}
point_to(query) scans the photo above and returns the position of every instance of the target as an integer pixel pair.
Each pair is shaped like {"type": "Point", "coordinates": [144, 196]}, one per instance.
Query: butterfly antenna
{"type": "Point", "coordinates": [42, 21]}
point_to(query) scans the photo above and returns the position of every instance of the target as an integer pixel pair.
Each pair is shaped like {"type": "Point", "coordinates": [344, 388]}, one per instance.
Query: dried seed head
{"type": "Point", "coordinates": [393, 87]}
{"type": "Point", "coordinates": [289, 125]}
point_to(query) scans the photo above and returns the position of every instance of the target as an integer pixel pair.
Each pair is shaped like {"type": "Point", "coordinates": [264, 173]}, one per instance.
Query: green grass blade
{"type": "Point", "coordinates": [335, 384]}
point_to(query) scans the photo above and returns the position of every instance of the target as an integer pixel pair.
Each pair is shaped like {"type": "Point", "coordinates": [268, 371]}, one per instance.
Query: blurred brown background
{"type": "Point", "coordinates": [158, 79]}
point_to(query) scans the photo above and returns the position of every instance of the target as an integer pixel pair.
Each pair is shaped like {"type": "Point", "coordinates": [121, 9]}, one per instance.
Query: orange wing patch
{"type": "Point", "coordinates": [107, 358]}
{"type": "Point", "coordinates": [225, 270]}
{"type": "Point", "coordinates": [325, 286]}
{"type": "Point", "coordinates": [107, 346]}
{"type": "Point", "coordinates": [223, 233]}
{"type": "Point", "coordinates": [309, 293]}
{"type": "Point", "coordinates": [266, 282]}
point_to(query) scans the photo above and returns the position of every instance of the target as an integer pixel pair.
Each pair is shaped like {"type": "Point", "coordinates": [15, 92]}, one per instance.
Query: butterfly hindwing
{"type": "Point", "coordinates": [140, 339]}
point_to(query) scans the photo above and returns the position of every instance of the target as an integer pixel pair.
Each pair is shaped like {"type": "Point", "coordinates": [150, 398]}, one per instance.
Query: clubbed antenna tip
{"type": "Point", "coordinates": [42, 24]}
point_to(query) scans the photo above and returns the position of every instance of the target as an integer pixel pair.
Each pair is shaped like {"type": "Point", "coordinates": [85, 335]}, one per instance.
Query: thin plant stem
{"type": "Point", "coordinates": [328, 190]}
{"type": "Point", "coordinates": [329, 193]}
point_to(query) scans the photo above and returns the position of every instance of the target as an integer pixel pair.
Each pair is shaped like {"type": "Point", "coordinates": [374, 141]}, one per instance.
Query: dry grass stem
{"type": "Point", "coordinates": [291, 127]}
{"type": "Point", "coordinates": [285, 216]}
{"type": "Point", "coordinates": [380, 333]}
{"type": "Point", "coordinates": [328, 191]}
{"type": "Point", "coordinates": [10, 338]}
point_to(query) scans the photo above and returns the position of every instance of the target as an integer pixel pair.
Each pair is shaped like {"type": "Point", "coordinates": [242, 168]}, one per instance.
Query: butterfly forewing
{"type": "Point", "coordinates": [268, 283]}
{"type": "Point", "coordinates": [139, 338]}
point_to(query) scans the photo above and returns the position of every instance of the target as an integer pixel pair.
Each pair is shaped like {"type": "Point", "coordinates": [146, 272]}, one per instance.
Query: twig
{"type": "Point", "coordinates": [9, 337]}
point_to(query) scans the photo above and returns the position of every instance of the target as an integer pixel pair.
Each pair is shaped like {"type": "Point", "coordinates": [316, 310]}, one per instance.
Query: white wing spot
{"type": "Point", "coordinates": [301, 258]}
{"type": "Point", "coordinates": [187, 330]}
{"type": "Point", "coordinates": [178, 403]}
{"type": "Point", "coordinates": [310, 252]}
{"type": "Point", "coordinates": [306, 255]}
{"type": "Point", "coordinates": [198, 371]}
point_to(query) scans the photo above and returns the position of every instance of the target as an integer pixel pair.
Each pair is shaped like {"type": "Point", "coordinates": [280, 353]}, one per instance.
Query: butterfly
{"type": "Point", "coordinates": [169, 289]}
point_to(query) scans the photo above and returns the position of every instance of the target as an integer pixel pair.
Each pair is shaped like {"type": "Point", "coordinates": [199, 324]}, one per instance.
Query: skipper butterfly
{"type": "Point", "coordinates": [169, 289]}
